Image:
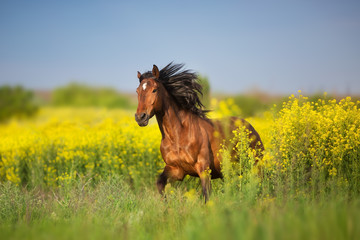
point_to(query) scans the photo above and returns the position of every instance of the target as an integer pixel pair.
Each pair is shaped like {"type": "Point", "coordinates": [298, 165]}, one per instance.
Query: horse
{"type": "Point", "coordinates": [190, 140]}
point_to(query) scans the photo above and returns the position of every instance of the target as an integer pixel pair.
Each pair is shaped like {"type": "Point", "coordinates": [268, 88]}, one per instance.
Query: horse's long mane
{"type": "Point", "coordinates": [183, 85]}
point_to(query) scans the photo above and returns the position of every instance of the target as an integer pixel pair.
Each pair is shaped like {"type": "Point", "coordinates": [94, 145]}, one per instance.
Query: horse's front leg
{"type": "Point", "coordinates": [205, 178]}
{"type": "Point", "coordinates": [205, 184]}
{"type": "Point", "coordinates": [170, 172]}
{"type": "Point", "coordinates": [161, 182]}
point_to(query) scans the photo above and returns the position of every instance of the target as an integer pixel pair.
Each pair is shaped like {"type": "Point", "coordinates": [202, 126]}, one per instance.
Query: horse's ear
{"type": "Point", "coordinates": [155, 71]}
{"type": "Point", "coordinates": [139, 75]}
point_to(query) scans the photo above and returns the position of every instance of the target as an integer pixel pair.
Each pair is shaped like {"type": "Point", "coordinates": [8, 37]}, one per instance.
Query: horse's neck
{"type": "Point", "coordinates": [170, 120]}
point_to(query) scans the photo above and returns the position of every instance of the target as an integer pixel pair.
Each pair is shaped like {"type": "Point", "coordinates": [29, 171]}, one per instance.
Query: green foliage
{"type": "Point", "coordinates": [316, 147]}
{"type": "Point", "coordinates": [249, 105]}
{"type": "Point", "coordinates": [111, 209]}
{"type": "Point", "coordinates": [16, 101]}
{"type": "Point", "coordinates": [113, 194]}
{"type": "Point", "coordinates": [80, 95]}
{"type": "Point", "coordinates": [204, 81]}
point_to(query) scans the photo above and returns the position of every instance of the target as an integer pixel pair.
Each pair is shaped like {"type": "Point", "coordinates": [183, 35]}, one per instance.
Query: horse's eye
{"type": "Point", "coordinates": [154, 90]}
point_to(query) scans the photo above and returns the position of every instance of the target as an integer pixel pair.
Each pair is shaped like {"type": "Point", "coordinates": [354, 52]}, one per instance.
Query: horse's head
{"type": "Point", "coordinates": [148, 96]}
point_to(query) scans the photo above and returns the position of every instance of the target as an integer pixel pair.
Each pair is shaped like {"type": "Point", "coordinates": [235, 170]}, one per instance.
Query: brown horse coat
{"type": "Point", "coordinates": [189, 145]}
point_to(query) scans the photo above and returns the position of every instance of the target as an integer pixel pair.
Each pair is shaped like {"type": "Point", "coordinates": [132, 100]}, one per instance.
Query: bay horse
{"type": "Point", "coordinates": [190, 140]}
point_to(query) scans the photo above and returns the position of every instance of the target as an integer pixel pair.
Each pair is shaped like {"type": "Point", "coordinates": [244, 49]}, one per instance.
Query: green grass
{"type": "Point", "coordinates": [111, 209]}
{"type": "Point", "coordinates": [305, 187]}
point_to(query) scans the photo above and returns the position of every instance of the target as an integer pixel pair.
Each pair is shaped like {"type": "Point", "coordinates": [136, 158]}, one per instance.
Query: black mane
{"type": "Point", "coordinates": [183, 86]}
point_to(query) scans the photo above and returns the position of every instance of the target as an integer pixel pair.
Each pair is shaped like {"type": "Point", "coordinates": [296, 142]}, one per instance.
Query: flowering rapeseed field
{"type": "Point", "coordinates": [305, 142]}
{"type": "Point", "coordinates": [64, 144]}
{"type": "Point", "coordinates": [315, 143]}
{"type": "Point", "coordinates": [89, 173]}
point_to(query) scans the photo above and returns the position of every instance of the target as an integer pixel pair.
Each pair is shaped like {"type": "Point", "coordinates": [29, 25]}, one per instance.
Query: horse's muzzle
{"type": "Point", "coordinates": [142, 119]}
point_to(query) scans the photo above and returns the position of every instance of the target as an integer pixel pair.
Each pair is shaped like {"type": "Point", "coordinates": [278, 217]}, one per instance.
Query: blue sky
{"type": "Point", "coordinates": [276, 46]}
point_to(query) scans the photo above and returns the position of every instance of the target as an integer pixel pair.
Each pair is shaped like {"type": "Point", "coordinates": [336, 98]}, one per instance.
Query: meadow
{"type": "Point", "coordinates": [89, 173]}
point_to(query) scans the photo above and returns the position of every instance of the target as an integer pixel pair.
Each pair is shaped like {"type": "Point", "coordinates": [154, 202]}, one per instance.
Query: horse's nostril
{"type": "Point", "coordinates": [140, 116]}
{"type": "Point", "coordinates": [142, 119]}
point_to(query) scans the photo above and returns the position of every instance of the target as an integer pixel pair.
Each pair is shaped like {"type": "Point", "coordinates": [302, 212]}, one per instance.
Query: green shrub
{"type": "Point", "coordinates": [16, 101]}
{"type": "Point", "coordinates": [80, 95]}
{"type": "Point", "coordinates": [204, 82]}
{"type": "Point", "coordinates": [250, 106]}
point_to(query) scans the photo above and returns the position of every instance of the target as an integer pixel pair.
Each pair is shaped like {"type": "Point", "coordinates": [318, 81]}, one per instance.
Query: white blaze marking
{"type": "Point", "coordinates": [144, 86]}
